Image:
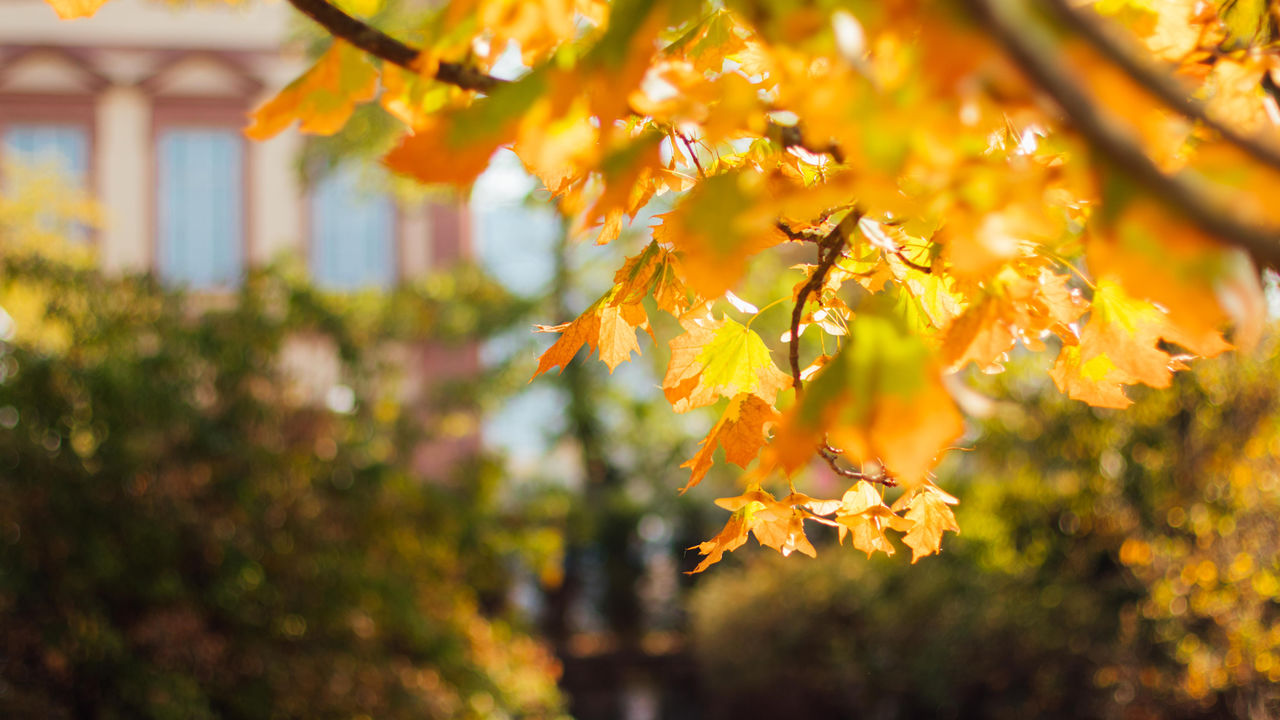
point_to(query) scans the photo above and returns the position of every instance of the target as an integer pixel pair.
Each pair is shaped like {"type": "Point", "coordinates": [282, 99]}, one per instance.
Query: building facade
{"type": "Point", "coordinates": [143, 106]}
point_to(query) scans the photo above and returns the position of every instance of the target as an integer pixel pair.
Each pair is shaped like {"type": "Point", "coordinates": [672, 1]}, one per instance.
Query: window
{"type": "Point", "coordinates": [200, 204]}
{"type": "Point", "coordinates": [352, 234]}
{"type": "Point", "coordinates": [63, 149]}
{"type": "Point", "coordinates": [60, 149]}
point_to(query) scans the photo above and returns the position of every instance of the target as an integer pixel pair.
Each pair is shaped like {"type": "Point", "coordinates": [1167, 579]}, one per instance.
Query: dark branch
{"type": "Point", "coordinates": [1026, 49]}
{"type": "Point", "coordinates": [828, 252]}
{"type": "Point", "coordinates": [1159, 84]}
{"type": "Point", "coordinates": [789, 136]}
{"type": "Point", "coordinates": [380, 45]}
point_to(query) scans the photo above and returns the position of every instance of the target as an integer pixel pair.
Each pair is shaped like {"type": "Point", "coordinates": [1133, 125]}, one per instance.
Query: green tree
{"type": "Point", "coordinates": [184, 533]}
{"type": "Point", "coordinates": [1114, 564]}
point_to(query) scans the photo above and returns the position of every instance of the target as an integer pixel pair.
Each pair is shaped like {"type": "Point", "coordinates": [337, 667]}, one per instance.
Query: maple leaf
{"type": "Point", "coordinates": [322, 98]}
{"type": "Point", "coordinates": [1202, 285]}
{"type": "Point", "coordinates": [1120, 345]}
{"type": "Point", "coordinates": [742, 430]}
{"type": "Point", "coordinates": [455, 146]}
{"type": "Point", "coordinates": [610, 323]}
{"type": "Point", "coordinates": [1014, 306]}
{"type": "Point", "coordinates": [864, 517]}
{"type": "Point", "coordinates": [557, 140]}
{"type": "Point", "coordinates": [653, 272]}
{"type": "Point", "coordinates": [779, 525]}
{"type": "Point", "coordinates": [881, 398]}
{"type": "Point", "coordinates": [718, 358]}
{"type": "Point", "coordinates": [730, 538]}
{"type": "Point", "coordinates": [605, 326]}
{"type": "Point", "coordinates": [928, 511]}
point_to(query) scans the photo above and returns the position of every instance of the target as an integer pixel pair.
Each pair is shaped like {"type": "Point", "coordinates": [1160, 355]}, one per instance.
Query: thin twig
{"type": "Point", "coordinates": [1160, 84]}
{"type": "Point", "coordinates": [688, 145]}
{"type": "Point", "coordinates": [832, 455]}
{"type": "Point", "coordinates": [1027, 49]}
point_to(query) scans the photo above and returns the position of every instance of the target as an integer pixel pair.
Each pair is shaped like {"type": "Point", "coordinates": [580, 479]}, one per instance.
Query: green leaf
{"type": "Point", "coordinates": [737, 361]}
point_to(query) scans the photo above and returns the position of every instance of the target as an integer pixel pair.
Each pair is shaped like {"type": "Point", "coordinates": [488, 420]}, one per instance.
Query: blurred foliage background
{"type": "Point", "coordinates": [1111, 564]}
{"type": "Point", "coordinates": [186, 531]}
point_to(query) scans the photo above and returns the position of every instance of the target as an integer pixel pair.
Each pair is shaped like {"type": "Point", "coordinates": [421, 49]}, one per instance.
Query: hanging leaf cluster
{"type": "Point", "coordinates": [1090, 180]}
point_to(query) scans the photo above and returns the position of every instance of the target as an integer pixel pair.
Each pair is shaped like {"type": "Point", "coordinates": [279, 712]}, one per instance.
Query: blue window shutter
{"type": "Point", "coordinates": [352, 234]}
{"type": "Point", "coordinates": [200, 223]}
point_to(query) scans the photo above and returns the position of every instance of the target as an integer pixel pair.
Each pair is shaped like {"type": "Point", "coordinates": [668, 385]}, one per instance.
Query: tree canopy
{"type": "Point", "coordinates": [931, 183]}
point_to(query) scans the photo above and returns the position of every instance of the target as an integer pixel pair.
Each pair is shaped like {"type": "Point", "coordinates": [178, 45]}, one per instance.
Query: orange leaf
{"type": "Point", "coordinates": [429, 155]}
{"type": "Point", "coordinates": [730, 538]}
{"type": "Point", "coordinates": [71, 9]}
{"type": "Point", "coordinates": [1159, 256]}
{"type": "Point", "coordinates": [717, 227]}
{"type": "Point", "coordinates": [881, 398]}
{"type": "Point", "coordinates": [864, 516]}
{"type": "Point", "coordinates": [742, 430]}
{"type": "Point", "coordinates": [322, 98]}
{"type": "Point", "coordinates": [607, 326]}
{"type": "Point", "coordinates": [930, 516]}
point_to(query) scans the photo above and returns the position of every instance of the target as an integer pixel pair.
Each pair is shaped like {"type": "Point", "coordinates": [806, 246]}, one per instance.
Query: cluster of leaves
{"type": "Point", "coordinates": [909, 143]}
{"type": "Point", "coordinates": [1114, 565]}
{"type": "Point", "coordinates": [185, 534]}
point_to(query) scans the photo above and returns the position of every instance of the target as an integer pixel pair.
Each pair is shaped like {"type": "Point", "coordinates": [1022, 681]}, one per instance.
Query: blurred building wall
{"type": "Point", "coordinates": [140, 69]}
{"type": "Point", "coordinates": [143, 105]}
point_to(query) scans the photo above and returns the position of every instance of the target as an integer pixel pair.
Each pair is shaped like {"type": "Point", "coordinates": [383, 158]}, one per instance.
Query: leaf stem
{"type": "Point", "coordinates": [761, 310]}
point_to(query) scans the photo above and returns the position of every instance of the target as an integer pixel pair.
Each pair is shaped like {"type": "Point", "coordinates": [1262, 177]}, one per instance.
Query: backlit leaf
{"type": "Point", "coordinates": [742, 430]}
{"type": "Point", "coordinates": [322, 99]}
{"type": "Point", "coordinates": [928, 510]}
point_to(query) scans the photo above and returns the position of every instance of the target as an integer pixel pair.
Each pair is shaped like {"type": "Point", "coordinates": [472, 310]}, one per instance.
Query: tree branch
{"type": "Point", "coordinates": [381, 45]}
{"type": "Point", "coordinates": [832, 455]}
{"type": "Point", "coordinates": [1160, 84]}
{"type": "Point", "coordinates": [828, 252]}
{"type": "Point", "coordinates": [1026, 49]}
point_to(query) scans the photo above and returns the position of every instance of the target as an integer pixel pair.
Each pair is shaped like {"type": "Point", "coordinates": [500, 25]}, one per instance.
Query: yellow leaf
{"type": "Point", "coordinates": [1120, 345]}
{"type": "Point", "coordinates": [718, 358]}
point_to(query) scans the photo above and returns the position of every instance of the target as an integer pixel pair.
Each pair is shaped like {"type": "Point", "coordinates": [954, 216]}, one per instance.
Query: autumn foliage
{"type": "Point", "coordinates": [1088, 180]}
